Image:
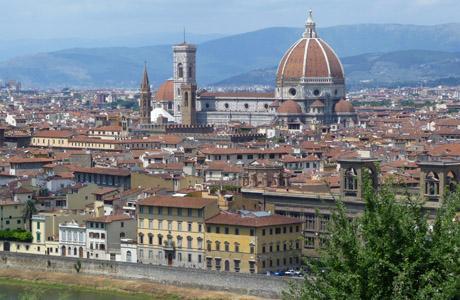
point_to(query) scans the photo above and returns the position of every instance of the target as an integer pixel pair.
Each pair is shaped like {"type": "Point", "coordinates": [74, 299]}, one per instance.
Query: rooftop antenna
{"type": "Point", "coordinates": [184, 34]}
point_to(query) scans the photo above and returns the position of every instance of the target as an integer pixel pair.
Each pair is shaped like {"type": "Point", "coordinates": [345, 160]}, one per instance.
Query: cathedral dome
{"type": "Point", "coordinates": [317, 104]}
{"type": "Point", "coordinates": [344, 106]}
{"type": "Point", "coordinates": [165, 92]}
{"type": "Point", "coordinates": [309, 57]}
{"type": "Point", "coordinates": [289, 107]}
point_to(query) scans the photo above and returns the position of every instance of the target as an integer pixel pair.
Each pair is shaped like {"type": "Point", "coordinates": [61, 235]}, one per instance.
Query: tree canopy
{"type": "Point", "coordinates": [391, 251]}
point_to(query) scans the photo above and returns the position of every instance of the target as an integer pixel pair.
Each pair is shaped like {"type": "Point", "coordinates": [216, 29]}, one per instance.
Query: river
{"type": "Point", "coordinates": [35, 292]}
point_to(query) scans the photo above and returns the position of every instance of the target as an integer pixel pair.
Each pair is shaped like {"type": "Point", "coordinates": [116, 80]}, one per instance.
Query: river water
{"type": "Point", "coordinates": [21, 292]}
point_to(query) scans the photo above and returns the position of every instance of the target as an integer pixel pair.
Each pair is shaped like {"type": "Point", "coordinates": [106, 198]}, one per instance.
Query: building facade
{"type": "Point", "coordinates": [171, 230]}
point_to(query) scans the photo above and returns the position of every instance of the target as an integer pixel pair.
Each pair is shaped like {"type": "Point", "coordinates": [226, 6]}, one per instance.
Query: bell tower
{"type": "Point", "coordinates": [184, 60]}
{"type": "Point", "coordinates": [146, 98]}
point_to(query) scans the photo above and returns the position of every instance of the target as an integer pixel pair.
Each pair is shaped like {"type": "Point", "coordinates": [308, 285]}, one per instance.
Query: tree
{"type": "Point", "coordinates": [29, 211]}
{"type": "Point", "coordinates": [390, 252]}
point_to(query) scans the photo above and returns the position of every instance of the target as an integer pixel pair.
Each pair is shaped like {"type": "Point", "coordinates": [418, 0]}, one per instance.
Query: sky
{"type": "Point", "coordinates": [45, 19]}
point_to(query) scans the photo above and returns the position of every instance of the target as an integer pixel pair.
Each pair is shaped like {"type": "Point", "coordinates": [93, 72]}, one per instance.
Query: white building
{"type": "Point", "coordinates": [72, 239]}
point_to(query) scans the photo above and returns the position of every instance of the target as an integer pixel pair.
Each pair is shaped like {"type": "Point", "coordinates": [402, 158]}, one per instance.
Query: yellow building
{"type": "Point", "coordinates": [171, 230]}
{"type": "Point", "coordinates": [52, 138]}
{"type": "Point", "coordinates": [252, 242]}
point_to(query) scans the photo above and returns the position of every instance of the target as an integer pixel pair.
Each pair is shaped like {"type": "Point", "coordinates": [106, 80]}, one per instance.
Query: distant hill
{"type": "Point", "coordinates": [410, 67]}
{"type": "Point", "coordinates": [225, 57]}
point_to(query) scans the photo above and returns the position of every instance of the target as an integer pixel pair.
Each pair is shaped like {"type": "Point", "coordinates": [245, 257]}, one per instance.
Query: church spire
{"type": "Point", "coordinates": [310, 26]}
{"type": "Point", "coordinates": [145, 85]}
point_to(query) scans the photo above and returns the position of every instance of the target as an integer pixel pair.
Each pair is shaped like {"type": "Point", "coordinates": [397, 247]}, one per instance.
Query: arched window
{"type": "Point", "coordinates": [185, 99]}
{"type": "Point", "coordinates": [128, 256]}
{"type": "Point", "coordinates": [451, 181]}
{"type": "Point", "coordinates": [351, 182]}
{"type": "Point", "coordinates": [189, 74]}
{"type": "Point", "coordinates": [180, 70]}
{"type": "Point", "coordinates": [432, 184]}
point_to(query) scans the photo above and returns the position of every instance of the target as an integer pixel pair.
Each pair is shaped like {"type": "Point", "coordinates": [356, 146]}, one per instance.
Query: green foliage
{"type": "Point", "coordinates": [19, 235]}
{"type": "Point", "coordinates": [224, 188]}
{"type": "Point", "coordinates": [390, 252]}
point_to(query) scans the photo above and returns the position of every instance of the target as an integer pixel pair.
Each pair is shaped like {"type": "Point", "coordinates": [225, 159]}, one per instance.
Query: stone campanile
{"type": "Point", "coordinates": [145, 102]}
{"type": "Point", "coordinates": [184, 61]}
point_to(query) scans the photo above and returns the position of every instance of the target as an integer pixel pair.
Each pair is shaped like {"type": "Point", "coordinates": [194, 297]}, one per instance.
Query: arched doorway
{"type": "Point", "coordinates": [63, 251]}
{"type": "Point", "coordinates": [227, 266]}
{"type": "Point", "coordinates": [80, 252]}
{"type": "Point", "coordinates": [128, 256]}
{"type": "Point", "coordinates": [451, 181]}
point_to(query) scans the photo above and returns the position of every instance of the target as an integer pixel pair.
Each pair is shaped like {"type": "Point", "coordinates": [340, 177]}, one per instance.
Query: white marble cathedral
{"type": "Point", "coordinates": [310, 89]}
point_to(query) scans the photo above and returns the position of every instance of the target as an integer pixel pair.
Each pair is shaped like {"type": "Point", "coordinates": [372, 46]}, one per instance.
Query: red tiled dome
{"type": "Point", "coordinates": [290, 107]}
{"type": "Point", "coordinates": [165, 92]}
{"type": "Point", "coordinates": [309, 57]}
{"type": "Point", "coordinates": [344, 106]}
{"type": "Point", "coordinates": [317, 103]}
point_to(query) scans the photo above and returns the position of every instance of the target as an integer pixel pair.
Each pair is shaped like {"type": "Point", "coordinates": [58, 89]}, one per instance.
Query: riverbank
{"type": "Point", "coordinates": [139, 288]}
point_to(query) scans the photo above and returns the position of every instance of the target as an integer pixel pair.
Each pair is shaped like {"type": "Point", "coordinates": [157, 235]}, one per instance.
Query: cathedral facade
{"type": "Point", "coordinates": [310, 89]}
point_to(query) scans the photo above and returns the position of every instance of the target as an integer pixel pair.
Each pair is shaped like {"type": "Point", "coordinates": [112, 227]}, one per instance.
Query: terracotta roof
{"type": "Point", "coordinates": [251, 220]}
{"type": "Point", "coordinates": [22, 160]}
{"type": "Point", "coordinates": [180, 202]}
{"type": "Point", "coordinates": [344, 106]}
{"type": "Point", "coordinates": [309, 57]}
{"type": "Point", "coordinates": [106, 171]}
{"type": "Point", "coordinates": [289, 107]}
{"type": "Point", "coordinates": [53, 134]}
{"type": "Point", "coordinates": [166, 91]}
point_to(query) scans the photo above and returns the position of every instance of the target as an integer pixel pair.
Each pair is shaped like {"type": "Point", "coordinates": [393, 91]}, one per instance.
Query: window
{"type": "Point", "coordinates": [209, 263]}
{"type": "Point", "coordinates": [271, 231]}
{"type": "Point", "coordinates": [209, 245]}
{"type": "Point", "coordinates": [277, 230]}
{"type": "Point", "coordinates": [263, 249]}
{"type": "Point", "coordinates": [169, 211]}
{"type": "Point", "coordinates": [179, 212]}
{"type": "Point", "coordinates": [160, 210]}
{"type": "Point", "coordinates": [252, 232]}
{"type": "Point", "coordinates": [251, 249]}
{"type": "Point", "coordinates": [237, 231]}
{"type": "Point", "coordinates": [141, 253]}
{"type": "Point", "coordinates": [179, 256]}
{"type": "Point", "coordinates": [217, 246]}
{"type": "Point", "coordinates": [38, 225]}
{"type": "Point", "coordinates": [170, 225]}
{"type": "Point", "coordinates": [189, 243]}
{"type": "Point", "coordinates": [263, 231]}
{"type": "Point", "coordinates": [246, 106]}
{"type": "Point", "coordinates": [160, 224]}
{"type": "Point", "coordinates": [309, 242]}
{"type": "Point", "coordinates": [160, 240]}
{"type": "Point", "coordinates": [38, 237]}
{"type": "Point", "coordinates": [199, 258]}
{"type": "Point", "coordinates": [189, 257]}
{"type": "Point", "coordinates": [227, 246]}
{"type": "Point", "coordinates": [208, 229]}
{"type": "Point", "coordinates": [217, 229]}
{"type": "Point", "coordinates": [237, 265]}
{"type": "Point", "coordinates": [200, 243]}
{"type": "Point", "coordinates": [180, 70]}
{"type": "Point", "coordinates": [179, 226]}
{"type": "Point", "coordinates": [122, 224]}
{"type": "Point", "coordinates": [226, 230]}
{"type": "Point", "coordinates": [200, 213]}
{"type": "Point", "coordinates": [200, 227]}
{"type": "Point", "coordinates": [252, 268]}
{"type": "Point", "coordinates": [237, 247]}
{"type": "Point", "coordinates": [189, 227]}
{"type": "Point", "coordinates": [150, 239]}
{"type": "Point", "coordinates": [151, 210]}
{"type": "Point", "coordinates": [190, 212]}
{"type": "Point", "coordinates": [218, 260]}
{"type": "Point", "coordinates": [141, 209]}
{"type": "Point", "coordinates": [179, 242]}
{"type": "Point", "coordinates": [310, 221]}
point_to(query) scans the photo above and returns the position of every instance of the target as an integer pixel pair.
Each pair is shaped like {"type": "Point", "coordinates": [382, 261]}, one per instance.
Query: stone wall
{"type": "Point", "coordinates": [252, 284]}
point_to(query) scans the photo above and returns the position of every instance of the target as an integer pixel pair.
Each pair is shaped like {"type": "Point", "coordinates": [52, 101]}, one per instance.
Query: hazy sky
{"type": "Point", "coordinates": [99, 18]}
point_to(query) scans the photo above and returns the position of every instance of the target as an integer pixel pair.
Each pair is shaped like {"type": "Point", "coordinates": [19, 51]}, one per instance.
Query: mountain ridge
{"type": "Point", "coordinates": [217, 59]}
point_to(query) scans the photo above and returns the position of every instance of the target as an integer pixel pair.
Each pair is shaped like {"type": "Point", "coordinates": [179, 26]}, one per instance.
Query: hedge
{"type": "Point", "coordinates": [18, 235]}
